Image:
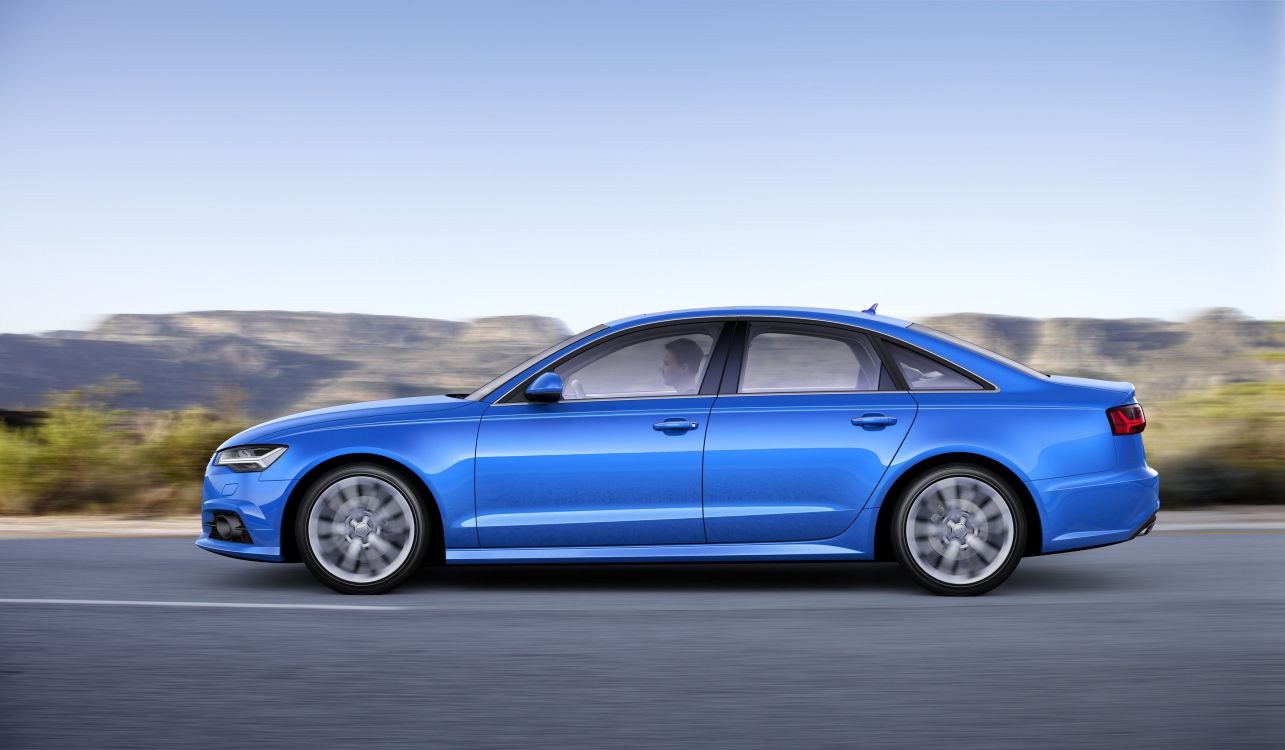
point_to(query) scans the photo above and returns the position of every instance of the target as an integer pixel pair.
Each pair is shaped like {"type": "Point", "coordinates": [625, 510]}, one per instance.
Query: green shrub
{"type": "Point", "coordinates": [86, 456]}
{"type": "Point", "coordinates": [1226, 445]}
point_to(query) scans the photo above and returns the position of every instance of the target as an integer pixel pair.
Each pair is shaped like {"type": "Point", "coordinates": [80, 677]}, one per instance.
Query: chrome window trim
{"type": "Point", "coordinates": [989, 386]}
{"type": "Point", "coordinates": [844, 393]}
{"type": "Point", "coordinates": [710, 396]}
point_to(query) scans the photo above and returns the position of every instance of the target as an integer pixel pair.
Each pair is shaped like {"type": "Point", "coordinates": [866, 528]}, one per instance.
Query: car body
{"type": "Point", "coordinates": [798, 435]}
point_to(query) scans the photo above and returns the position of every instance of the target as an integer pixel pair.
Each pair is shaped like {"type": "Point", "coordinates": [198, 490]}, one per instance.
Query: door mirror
{"type": "Point", "coordinates": [545, 389]}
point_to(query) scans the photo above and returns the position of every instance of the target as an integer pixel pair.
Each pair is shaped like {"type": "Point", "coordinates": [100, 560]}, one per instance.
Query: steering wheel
{"type": "Point", "coordinates": [575, 390]}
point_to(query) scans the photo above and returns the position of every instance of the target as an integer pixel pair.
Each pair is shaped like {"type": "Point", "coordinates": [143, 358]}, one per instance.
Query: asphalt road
{"type": "Point", "coordinates": [1174, 640]}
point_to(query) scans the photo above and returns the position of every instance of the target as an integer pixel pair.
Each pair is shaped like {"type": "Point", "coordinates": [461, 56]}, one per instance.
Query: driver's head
{"type": "Point", "coordinates": [682, 362]}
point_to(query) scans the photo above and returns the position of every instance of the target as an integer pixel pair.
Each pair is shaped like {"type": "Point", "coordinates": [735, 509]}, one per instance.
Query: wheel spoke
{"type": "Point", "coordinates": [388, 512]}
{"type": "Point", "coordinates": [383, 549]}
{"type": "Point", "coordinates": [950, 558]}
{"type": "Point", "coordinates": [985, 550]}
{"type": "Point", "coordinates": [350, 555]}
{"type": "Point", "coordinates": [924, 529]}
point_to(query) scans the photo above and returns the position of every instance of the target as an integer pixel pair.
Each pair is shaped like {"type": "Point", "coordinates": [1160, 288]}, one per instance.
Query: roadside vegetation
{"type": "Point", "coordinates": [1226, 445]}
{"type": "Point", "coordinates": [85, 456]}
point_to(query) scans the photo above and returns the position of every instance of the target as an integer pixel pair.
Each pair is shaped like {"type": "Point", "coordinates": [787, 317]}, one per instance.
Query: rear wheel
{"type": "Point", "coordinates": [361, 529]}
{"type": "Point", "coordinates": [959, 530]}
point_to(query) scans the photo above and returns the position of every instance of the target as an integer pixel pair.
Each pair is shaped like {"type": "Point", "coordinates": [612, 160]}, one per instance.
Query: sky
{"type": "Point", "coordinates": [595, 160]}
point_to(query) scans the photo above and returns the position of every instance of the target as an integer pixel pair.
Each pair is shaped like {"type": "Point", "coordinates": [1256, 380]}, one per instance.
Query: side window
{"type": "Point", "coordinates": [669, 361]}
{"type": "Point", "coordinates": [801, 359]}
{"type": "Point", "coordinates": [924, 374]}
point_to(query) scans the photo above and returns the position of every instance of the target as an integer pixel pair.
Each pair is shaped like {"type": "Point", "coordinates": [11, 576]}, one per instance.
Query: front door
{"type": "Point", "coordinates": [617, 461]}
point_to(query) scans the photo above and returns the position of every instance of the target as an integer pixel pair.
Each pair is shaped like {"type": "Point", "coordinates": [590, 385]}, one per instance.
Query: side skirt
{"type": "Point", "coordinates": [657, 553]}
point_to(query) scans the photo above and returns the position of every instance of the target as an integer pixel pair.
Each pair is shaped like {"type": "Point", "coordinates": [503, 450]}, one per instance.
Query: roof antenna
{"type": "Point", "coordinates": [871, 309]}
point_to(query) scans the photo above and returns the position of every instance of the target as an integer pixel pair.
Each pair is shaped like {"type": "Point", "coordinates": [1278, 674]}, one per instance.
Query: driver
{"type": "Point", "coordinates": [681, 365]}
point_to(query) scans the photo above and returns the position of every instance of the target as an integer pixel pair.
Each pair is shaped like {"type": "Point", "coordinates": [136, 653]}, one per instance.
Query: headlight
{"type": "Point", "coordinates": [249, 457]}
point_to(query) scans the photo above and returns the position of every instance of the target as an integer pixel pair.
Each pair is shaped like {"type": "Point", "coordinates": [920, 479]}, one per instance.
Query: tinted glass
{"type": "Point", "coordinates": [669, 361]}
{"type": "Point", "coordinates": [799, 359]}
{"type": "Point", "coordinates": [924, 374]}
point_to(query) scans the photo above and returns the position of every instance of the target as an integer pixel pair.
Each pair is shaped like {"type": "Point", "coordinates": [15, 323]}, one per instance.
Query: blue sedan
{"type": "Point", "coordinates": [732, 434]}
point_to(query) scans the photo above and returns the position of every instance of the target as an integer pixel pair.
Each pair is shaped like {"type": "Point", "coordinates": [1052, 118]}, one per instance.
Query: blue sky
{"type": "Point", "coordinates": [595, 160]}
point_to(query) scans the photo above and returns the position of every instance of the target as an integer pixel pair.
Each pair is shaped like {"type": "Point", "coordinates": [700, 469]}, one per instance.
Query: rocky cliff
{"type": "Point", "coordinates": [272, 362]}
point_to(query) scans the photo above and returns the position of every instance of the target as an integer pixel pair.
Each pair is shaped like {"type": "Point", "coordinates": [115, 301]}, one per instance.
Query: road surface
{"type": "Point", "coordinates": [1173, 640]}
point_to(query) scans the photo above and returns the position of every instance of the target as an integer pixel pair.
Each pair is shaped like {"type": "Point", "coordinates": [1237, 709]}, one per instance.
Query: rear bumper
{"type": "Point", "coordinates": [1092, 510]}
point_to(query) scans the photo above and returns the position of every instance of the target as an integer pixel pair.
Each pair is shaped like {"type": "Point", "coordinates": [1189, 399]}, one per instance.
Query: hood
{"type": "Point", "coordinates": [367, 411]}
{"type": "Point", "coordinates": [1120, 391]}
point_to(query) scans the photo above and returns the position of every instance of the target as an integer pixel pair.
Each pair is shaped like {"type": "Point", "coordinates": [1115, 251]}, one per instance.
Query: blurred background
{"type": "Point", "coordinates": [123, 417]}
{"type": "Point", "coordinates": [215, 213]}
{"type": "Point", "coordinates": [218, 212]}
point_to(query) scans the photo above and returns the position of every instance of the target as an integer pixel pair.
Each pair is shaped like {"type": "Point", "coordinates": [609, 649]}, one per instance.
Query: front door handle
{"type": "Point", "coordinates": [675, 424]}
{"type": "Point", "coordinates": [873, 421]}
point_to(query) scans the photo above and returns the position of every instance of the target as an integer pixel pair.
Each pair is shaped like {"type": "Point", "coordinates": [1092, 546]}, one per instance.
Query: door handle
{"type": "Point", "coordinates": [873, 421]}
{"type": "Point", "coordinates": [675, 424]}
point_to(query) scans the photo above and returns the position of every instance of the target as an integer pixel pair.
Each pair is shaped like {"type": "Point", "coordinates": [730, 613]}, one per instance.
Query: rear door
{"type": "Point", "coordinates": [805, 426]}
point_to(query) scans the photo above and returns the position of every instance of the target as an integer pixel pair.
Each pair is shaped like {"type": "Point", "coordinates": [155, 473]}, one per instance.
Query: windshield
{"type": "Point", "coordinates": [487, 389]}
{"type": "Point", "coordinates": [975, 349]}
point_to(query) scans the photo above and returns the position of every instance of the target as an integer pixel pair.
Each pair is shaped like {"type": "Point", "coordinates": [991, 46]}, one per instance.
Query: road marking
{"type": "Point", "coordinates": [221, 605]}
{"type": "Point", "coordinates": [87, 535]}
{"type": "Point", "coordinates": [1197, 532]}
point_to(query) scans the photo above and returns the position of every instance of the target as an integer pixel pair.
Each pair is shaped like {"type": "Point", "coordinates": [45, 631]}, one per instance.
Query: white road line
{"type": "Point", "coordinates": [223, 605]}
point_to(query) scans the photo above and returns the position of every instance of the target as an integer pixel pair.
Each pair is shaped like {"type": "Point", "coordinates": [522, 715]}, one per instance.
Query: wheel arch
{"type": "Point", "coordinates": [289, 546]}
{"type": "Point", "coordinates": [883, 522]}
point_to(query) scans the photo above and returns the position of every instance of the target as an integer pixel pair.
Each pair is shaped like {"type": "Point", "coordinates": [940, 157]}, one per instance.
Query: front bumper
{"type": "Point", "coordinates": [259, 503]}
{"type": "Point", "coordinates": [1092, 510]}
{"type": "Point", "coordinates": [242, 551]}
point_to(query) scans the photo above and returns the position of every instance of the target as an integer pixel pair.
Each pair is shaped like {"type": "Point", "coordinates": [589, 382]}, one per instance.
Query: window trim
{"type": "Point", "coordinates": [709, 381]}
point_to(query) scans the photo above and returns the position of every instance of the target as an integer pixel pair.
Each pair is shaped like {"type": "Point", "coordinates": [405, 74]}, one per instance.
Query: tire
{"type": "Point", "coordinates": [946, 523]}
{"type": "Point", "coordinates": [362, 529]}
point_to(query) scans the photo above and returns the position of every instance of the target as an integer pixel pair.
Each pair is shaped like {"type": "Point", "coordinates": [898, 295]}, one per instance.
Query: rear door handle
{"type": "Point", "coordinates": [675, 424]}
{"type": "Point", "coordinates": [873, 421]}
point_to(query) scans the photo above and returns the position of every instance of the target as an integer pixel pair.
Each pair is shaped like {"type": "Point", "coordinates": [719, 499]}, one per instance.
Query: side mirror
{"type": "Point", "coordinates": [545, 389]}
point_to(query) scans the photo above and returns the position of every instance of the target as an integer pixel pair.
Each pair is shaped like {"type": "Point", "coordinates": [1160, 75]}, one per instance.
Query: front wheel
{"type": "Point", "coordinates": [361, 529]}
{"type": "Point", "coordinates": [959, 530]}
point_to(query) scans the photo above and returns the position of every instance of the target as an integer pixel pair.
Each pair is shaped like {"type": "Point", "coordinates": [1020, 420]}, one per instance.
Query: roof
{"type": "Point", "coordinates": [813, 313]}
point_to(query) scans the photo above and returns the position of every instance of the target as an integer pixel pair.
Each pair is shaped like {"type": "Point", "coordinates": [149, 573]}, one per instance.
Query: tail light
{"type": "Point", "coordinates": [1127, 420]}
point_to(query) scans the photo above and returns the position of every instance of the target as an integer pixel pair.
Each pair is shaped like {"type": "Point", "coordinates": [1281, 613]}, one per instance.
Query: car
{"type": "Point", "coordinates": [715, 435]}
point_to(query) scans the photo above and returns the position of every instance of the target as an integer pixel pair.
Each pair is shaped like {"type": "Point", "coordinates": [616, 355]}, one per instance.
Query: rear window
{"type": "Point", "coordinates": [926, 374]}
{"type": "Point", "coordinates": [975, 349]}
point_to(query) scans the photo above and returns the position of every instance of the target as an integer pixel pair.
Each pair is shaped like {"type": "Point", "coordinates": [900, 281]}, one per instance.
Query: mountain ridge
{"type": "Point", "coordinates": [280, 361]}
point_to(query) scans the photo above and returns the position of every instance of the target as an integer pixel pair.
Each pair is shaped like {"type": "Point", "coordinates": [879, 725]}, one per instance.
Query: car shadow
{"type": "Point", "coordinates": [659, 577]}
{"type": "Point", "coordinates": [671, 577]}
